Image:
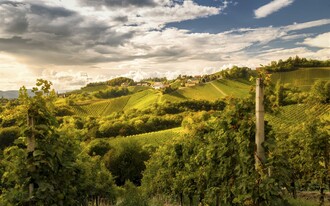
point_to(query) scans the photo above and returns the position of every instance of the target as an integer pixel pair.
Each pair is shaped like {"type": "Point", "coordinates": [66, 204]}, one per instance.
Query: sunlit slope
{"type": "Point", "coordinates": [143, 99]}
{"type": "Point", "coordinates": [303, 77]}
{"type": "Point", "coordinates": [102, 108]}
{"type": "Point", "coordinates": [214, 90]}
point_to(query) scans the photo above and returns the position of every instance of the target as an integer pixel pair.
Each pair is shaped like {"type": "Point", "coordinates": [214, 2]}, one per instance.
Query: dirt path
{"type": "Point", "coordinates": [217, 88]}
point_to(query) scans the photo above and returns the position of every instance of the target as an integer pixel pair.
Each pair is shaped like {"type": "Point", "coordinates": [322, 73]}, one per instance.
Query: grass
{"type": "Point", "coordinates": [302, 202]}
{"type": "Point", "coordinates": [302, 78]}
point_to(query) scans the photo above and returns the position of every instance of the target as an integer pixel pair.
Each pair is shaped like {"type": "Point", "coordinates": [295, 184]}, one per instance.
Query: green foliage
{"type": "Point", "coordinates": [111, 93]}
{"type": "Point", "coordinates": [236, 73]}
{"type": "Point", "coordinates": [214, 161]}
{"type": "Point", "coordinates": [120, 80]}
{"type": "Point", "coordinates": [95, 182]}
{"type": "Point", "coordinates": [137, 125]}
{"type": "Point", "coordinates": [7, 136]}
{"type": "Point", "coordinates": [53, 161]}
{"type": "Point", "coordinates": [294, 63]}
{"type": "Point", "coordinates": [320, 92]}
{"type": "Point", "coordinates": [98, 147]}
{"type": "Point", "coordinates": [126, 162]}
{"type": "Point", "coordinates": [132, 196]}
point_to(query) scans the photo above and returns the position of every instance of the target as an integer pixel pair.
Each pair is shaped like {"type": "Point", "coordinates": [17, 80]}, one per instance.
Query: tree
{"type": "Point", "coordinates": [44, 168]}
{"type": "Point", "coordinates": [126, 162]}
{"type": "Point", "coordinates": [320, 91]}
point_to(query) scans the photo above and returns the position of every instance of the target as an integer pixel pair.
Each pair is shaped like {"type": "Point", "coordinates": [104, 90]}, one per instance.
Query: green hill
{"type": "Point", "coordinates": [302, 78]}
{"type": "Point", "coordinates": [142, 97]}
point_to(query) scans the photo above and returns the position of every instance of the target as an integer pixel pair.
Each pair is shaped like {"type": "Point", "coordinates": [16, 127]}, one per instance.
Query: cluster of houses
{"type": "Point", "coordinates": [186, 81]}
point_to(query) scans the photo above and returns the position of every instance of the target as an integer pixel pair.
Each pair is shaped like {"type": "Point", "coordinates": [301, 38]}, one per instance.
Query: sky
{"type": "Point", "coordinates": [73, 42]}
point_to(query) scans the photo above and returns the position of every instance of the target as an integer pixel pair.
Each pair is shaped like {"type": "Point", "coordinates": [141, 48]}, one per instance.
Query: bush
{"type": "Point", "coordinates": [126, 162]}
{"type": "Point", "coordinates": [132, 196]}
{"type": "Point", "coordinates": [98, 147]}
{"type": "Point", "coordinates": [8, 136]}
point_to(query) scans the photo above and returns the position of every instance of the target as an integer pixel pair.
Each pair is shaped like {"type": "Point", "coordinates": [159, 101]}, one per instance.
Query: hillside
{"type": "Point", "coordinates": [143, 97]}
{"type": "Point", "coordinates": [302, 78]}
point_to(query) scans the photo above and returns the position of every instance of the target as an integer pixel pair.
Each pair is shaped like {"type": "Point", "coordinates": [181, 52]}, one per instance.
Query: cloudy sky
{"type": "Point", "coordinates": [71, 42]}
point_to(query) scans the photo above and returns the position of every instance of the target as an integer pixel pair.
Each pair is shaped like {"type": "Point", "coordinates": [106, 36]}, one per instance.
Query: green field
{"type": "Point", "coordinates": [302, 78]}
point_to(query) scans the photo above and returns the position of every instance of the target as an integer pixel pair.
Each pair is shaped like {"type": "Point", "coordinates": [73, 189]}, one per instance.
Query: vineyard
{"type": "Point", "coordinates": [302, 78]}
{"type": "Point", "coordinates": [292, 115]}
{"type": "Point", "coordinates": [143, 100]}
{"type": "Point", "coordinates": [101, 108]}
{"type": "Point", "coordinates": [152, 138]}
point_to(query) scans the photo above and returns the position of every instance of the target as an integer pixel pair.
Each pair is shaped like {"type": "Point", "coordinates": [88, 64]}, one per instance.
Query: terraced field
{"type": "Point", "coordinates": [302, 78]}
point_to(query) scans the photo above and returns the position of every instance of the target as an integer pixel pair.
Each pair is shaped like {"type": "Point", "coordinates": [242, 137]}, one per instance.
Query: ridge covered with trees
{"type": "Point", "coordinates": [294, 63]}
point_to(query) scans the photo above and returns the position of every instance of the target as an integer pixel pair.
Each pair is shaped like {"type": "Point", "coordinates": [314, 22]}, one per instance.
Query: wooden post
{"type": "Point", "coordinates": [260, 124]}
{"type": "Point", "coordinates": [31, 145]}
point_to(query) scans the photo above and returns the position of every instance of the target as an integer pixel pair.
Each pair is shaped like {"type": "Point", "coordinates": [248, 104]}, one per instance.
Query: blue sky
{"type": "Point", "coordinates": [73, 42]}
{"type": "Point", "coordinates": [240, 14]}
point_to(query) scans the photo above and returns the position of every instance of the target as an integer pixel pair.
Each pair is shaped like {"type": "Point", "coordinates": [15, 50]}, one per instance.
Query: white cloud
{"type": "Point", "coordinates": [306, 25]}
{"type": "Point", "coordinates": [70, 39]}
{"type": "Point", "coordinates": [271, 7]}
{"type": "Point", "coordinates": [321, 41]}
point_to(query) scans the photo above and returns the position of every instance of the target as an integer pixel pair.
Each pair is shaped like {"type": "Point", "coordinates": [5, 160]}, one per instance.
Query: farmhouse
{"type": "Point", "coordinates": [158, 85]}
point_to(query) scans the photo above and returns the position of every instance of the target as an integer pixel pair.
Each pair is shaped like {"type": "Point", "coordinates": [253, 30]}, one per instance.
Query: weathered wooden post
{"type": "Point", "coordinates": [31, 145]}
{"type": "Point", "coordinates": [260, 124]}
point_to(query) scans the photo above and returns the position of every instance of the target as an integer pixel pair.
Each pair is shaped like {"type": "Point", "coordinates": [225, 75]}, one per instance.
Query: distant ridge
{"type": "Point", "coordinates": [12, 94]}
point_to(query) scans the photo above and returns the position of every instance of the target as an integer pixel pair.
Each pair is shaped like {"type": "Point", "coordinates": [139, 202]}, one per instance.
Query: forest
{"type": "Point", "coordinates": [51, 155]}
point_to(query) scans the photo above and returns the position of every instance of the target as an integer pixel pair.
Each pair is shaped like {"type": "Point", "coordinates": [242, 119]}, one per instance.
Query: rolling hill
{"type": "Point", "coordinates": [142, 97]}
